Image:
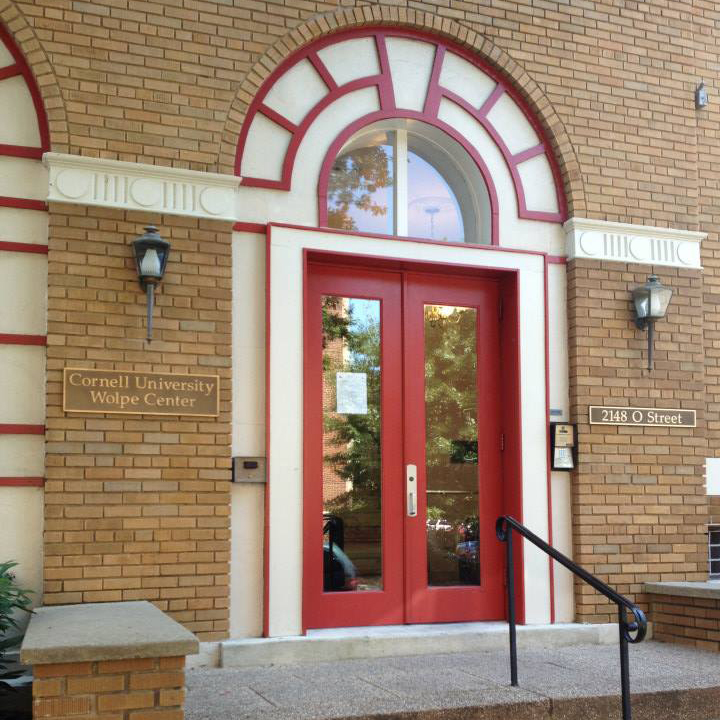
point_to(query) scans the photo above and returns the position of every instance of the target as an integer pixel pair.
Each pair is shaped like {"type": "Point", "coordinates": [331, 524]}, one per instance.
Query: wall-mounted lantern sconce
{"type": "Point", "coordinates": [151, 256]}
{"type": "Point", "coordinates": [701, 96]}
{"type": "Point", "coordinates": [651, 301]}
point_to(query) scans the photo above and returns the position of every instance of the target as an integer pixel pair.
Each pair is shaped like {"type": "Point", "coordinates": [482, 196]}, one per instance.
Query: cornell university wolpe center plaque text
{"type": "Point", "coordinates": [135, 393]}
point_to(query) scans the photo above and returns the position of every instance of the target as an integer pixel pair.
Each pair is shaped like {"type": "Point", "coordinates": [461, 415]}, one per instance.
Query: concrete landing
{"type": "Point", "coordinates": [390, 640]}
{"type": "Point", "coordinates": [567, 683]}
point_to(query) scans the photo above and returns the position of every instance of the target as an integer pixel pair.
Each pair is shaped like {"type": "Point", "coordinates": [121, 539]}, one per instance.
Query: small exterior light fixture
{"type": "Point", "coordinates": [151, 256]}
{"type": "Point", "coordinates": [701, 96]}
{"type": "Point", "coordinates": [651, 301]}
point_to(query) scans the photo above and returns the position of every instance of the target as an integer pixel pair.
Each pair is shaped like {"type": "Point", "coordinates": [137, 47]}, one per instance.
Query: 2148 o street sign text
{"type": "Point", "coordinates": [122, 391]}
{"type": "Point", "coordinates": [655, 417]}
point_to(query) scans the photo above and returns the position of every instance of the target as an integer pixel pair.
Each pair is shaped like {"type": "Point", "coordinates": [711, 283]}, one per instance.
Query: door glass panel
{"type": "Point", "coordinates": [451, 448]}
{"type": "Point", "coordinates": [352, 552]}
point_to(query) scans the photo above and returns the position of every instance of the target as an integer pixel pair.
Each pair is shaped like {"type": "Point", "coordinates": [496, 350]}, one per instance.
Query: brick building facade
{"type": "Point", "coordinates": [579, 122]}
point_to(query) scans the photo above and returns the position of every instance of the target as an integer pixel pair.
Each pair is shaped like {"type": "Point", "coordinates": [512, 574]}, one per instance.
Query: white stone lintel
{"type": "Point", "coordinates": [135, 186]}
{"type": "Point", "coordinates": [624, 242]}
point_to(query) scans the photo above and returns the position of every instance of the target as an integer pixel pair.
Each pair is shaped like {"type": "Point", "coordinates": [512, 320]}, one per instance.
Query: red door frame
{"type": "Point", "coordinates": [510, 391]}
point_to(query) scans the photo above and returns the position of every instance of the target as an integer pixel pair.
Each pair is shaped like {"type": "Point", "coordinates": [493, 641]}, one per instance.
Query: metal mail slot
{"type": "Point", "coordinates": [248, 470]}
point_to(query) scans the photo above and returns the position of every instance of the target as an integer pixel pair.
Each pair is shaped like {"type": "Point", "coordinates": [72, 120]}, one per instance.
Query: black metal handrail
{"type": "Point", "coordinates": [503, 529]}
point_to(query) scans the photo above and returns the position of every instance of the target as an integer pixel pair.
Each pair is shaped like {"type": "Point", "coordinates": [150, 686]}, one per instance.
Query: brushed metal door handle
{"type": "Point", "coordinates": [411, 489]}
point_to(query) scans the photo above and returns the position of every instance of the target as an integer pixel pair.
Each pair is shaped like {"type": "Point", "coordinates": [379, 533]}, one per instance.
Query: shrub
{"type": "Point", "coordinates": [12, 599]}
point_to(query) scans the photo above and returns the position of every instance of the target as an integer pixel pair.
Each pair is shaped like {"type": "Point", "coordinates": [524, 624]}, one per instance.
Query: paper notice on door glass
{"type": "Point", "coordinates": [351, 392]}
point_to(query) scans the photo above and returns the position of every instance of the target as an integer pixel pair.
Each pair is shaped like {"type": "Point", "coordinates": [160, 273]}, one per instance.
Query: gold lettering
{"type": "Point", "coordinates": [110, 391]}
{"type": "Point", "coordinates": [102, 397]}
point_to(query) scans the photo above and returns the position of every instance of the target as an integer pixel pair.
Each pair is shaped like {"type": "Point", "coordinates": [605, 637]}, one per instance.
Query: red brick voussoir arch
{"type": "Point", "coordinates": [486, 53]}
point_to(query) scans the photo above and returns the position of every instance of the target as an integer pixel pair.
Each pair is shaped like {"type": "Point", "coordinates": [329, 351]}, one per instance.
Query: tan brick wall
{"type": "Point", "coordinates": [639, 504]}
{"type": "Point", "coordinates": [141, 689]}
{"type": "Point", "coordinates": [156, 83]}
{"type": "Point", "coordinates": [137, 507]}
{"type": "Point", "coordinates": [686, 621]}
{"type": "Point", "coordinates": [169, 84]}
{"type": "Point", "coordinates": [714, 508]}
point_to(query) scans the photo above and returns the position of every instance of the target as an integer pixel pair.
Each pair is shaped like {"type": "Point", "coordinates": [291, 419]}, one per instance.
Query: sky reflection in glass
{"type": "Point", "coordinates": [433, 211]}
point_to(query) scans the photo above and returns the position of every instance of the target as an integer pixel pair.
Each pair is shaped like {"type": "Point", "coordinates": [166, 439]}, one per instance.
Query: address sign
{"type": "Point", "coordinates": [653, 417]}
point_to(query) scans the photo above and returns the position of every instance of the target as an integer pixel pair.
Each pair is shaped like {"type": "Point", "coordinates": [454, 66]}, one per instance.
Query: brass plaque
{"type": "Point", "coordinates": [137, 393]}
{"type": "Point", "coordinates": [651, 417]}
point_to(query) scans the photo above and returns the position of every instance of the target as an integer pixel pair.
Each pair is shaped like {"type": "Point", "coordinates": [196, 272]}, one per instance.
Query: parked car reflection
{"type": "Point", "coordinates": [340, 573]}
{"type": "Point", "coordinates": [468, 560]}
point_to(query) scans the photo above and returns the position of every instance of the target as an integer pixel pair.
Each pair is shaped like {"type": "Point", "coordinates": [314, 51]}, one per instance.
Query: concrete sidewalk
{"type": "Point", "coordinates": [583, 682]}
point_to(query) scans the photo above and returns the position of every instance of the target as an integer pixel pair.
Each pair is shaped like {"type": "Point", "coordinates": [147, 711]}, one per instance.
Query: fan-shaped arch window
{"type": "Point", "coordinates": [407, 178]}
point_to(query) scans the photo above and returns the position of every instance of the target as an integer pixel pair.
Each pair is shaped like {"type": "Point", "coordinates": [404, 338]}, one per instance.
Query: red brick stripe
{"type": "Point", "coordinates": [258, 228]}
{"type": "Point", "coordinates": [23, 203]}
{"type": "Point", "coordinates": [23, 247]}
{"type": "Point", "coordinates": [17, 339]}
{"type": "Point", "coordinates": [22, 481]}
{"type": "Point", "coordinates": [21, 429]}
{"type": "Point", "coordinates": [23, 151]}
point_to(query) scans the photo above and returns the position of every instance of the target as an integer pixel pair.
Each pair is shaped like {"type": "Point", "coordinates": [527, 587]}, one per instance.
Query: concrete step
{"type": "Point", "coordinates": [394, 640]}
{"type": "Point", "coordinates": [579, 682]}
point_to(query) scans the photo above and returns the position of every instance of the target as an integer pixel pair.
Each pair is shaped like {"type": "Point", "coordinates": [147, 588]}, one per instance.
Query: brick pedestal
{"type": "Point", "coordinates": [107, 661]}
{"type": "Point", "coordinates": [139, 689]}
{"type": "Point", "coordinates": [687, 621]}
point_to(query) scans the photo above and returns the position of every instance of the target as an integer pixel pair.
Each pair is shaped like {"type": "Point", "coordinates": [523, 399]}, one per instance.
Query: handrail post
{"type": "Point", "coordinates": [510, 570]}
{"type": "Point", "coordinates": [503, 529]}
{"type": "Point", "coordinates": [624, 665]}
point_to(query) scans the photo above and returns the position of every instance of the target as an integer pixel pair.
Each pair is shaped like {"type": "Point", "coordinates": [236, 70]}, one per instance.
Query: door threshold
{"type": "Point", "coordinates": [409, 630]}
{"type": "Point", "coordinates": [347, 643]}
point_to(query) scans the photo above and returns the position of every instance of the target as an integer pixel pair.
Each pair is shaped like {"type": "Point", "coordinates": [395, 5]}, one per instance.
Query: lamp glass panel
{"type": "Point", "coordinates": [150, 265]}
{"type": "Point", "coordinates": [659, 300]}
{"type": "Point", "coordinates": [641, 298]}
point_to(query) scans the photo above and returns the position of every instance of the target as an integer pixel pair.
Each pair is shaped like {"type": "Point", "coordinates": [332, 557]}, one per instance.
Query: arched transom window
{"type": "Point", "coordinates": [401, 133]}
{"type": "Point", "coordinates": [403, 177]}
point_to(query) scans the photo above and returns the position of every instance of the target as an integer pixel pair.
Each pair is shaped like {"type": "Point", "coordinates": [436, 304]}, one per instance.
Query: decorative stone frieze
{"type": "Point", "coordinates": [623, 242]}
{"type": "Point", "coordinates": [133, 186]}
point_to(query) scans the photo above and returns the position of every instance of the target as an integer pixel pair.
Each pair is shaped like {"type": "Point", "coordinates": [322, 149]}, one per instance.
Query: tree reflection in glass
{"type": "Point", "coordinates": [451, 449]}
{"type": "Point", "coordinates": [360, 189]}
{"type": "Point", "coordinates": [351, 444]}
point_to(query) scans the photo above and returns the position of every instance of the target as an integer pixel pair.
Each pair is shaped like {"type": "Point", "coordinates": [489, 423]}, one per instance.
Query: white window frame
{"type": "Point", "coordinates": [713, 530]}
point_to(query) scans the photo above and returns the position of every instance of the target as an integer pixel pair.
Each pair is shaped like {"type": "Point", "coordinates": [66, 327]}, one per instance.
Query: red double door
{"type": "Point", "coordinates": [402, 448]}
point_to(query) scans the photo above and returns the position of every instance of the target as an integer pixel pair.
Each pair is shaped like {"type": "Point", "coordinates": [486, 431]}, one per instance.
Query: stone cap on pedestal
{"type": "Point", "coordinates": [707, 589]}
{"type": "Point", "coordinates": [103, 631]}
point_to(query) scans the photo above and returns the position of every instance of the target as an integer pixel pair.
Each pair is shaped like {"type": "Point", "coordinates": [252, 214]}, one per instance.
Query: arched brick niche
{"type": "Point", "coordinates": [24, 137]}
{"type": "Point", "coordinates": [24, 131]}
{"type": "Point", "coordinates": [358, 76]}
